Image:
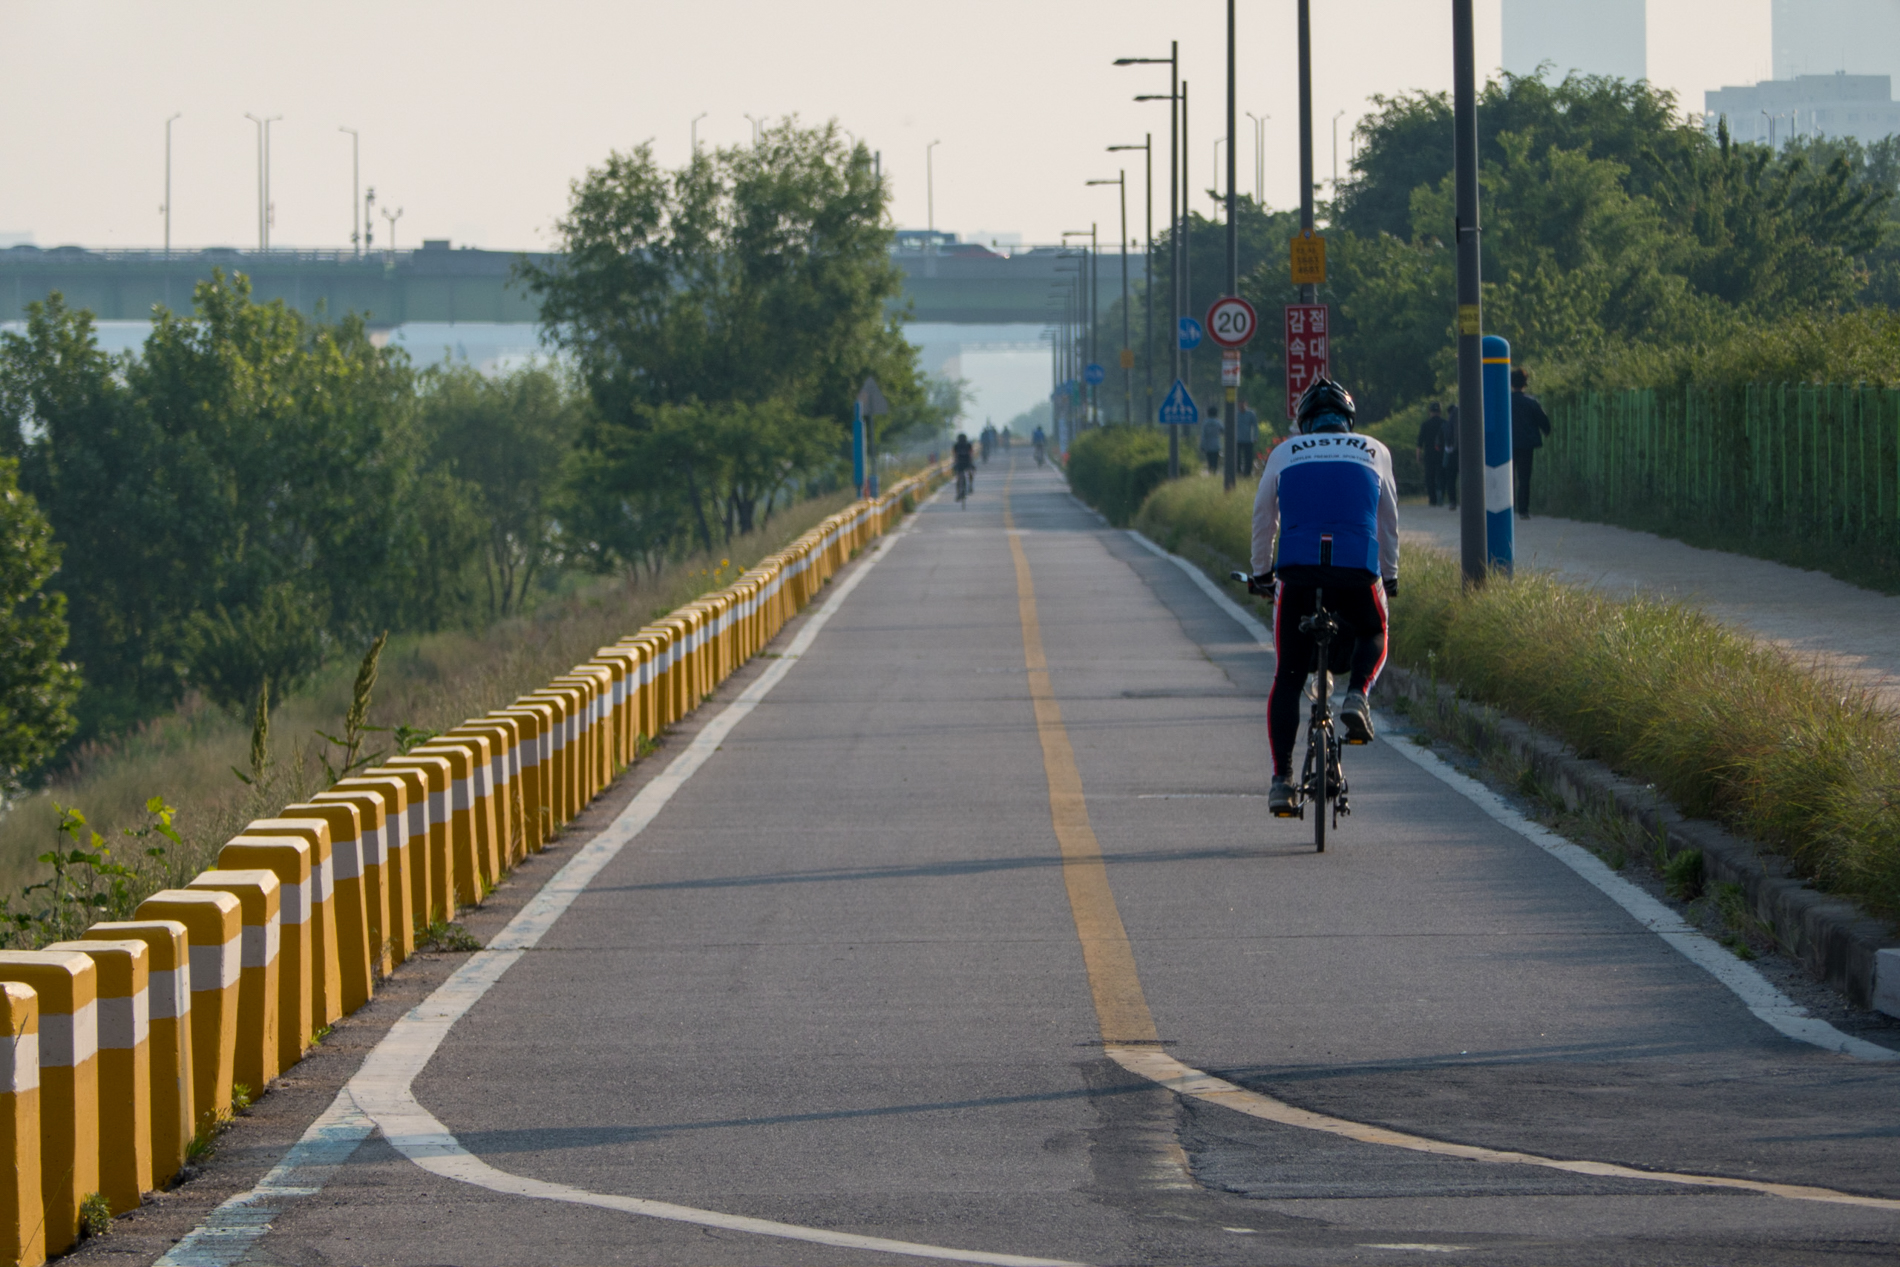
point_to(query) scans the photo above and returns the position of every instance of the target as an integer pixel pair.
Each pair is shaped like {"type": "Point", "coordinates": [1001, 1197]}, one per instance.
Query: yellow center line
{"type": "Point", "coordinates": [1129, 1037]}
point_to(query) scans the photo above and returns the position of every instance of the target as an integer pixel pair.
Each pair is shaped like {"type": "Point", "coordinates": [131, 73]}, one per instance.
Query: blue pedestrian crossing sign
{"type": "Point", "coordinates": [1178, 408]}
{"type": "Point", "coordinates": [1190, 334]}
{"type": "Point", "coordinates": [1095, 374]}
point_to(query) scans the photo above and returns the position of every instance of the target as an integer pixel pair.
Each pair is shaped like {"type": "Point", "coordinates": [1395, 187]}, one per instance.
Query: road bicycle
{"type": "Point", "coordinates": [1322, 782]}
{"type": "Point", "coordinates": [966, 480]}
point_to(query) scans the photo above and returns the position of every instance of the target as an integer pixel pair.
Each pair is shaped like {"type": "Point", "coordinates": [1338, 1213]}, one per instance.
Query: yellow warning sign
{"type": "Point", "coordinates": [1468, 319]}
{"type": "Point", "coordinates": [1309, 259]}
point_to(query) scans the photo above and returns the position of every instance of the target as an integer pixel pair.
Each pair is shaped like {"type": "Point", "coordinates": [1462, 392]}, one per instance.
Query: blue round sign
{"type": "Point", "coordinates": [1190, 334]}
{"type": "Point", "coordinates": [1095, 374]}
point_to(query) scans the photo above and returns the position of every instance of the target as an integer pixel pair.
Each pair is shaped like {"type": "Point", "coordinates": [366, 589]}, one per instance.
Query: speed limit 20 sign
{"type": "Point", "coordinates": [1232, 321]}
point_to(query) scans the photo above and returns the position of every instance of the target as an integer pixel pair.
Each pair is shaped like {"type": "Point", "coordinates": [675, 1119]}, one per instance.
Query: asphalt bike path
{"type": "Point", "coordinates": [968, 938]}
{"type": "Point", "coordinates": [1819, 618]}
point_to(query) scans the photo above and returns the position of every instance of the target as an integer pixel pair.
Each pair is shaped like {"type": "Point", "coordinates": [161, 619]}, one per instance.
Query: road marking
{"type": "Point", "coordinates": [1760, 996]}
{"type": "Point", "coordinates": [379, 1096]}
{"type": "Point", "coordinates": [1121, 1008]}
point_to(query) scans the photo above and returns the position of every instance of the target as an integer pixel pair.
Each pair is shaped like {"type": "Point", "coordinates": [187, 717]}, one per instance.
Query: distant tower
{"type": "Point", "coordinates": [1823, 37]}
{"type": "Point", "coordinates": [1601, 37]}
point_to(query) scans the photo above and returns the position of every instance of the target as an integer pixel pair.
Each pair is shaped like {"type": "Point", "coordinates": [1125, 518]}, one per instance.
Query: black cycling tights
{"type": "Point", "coordinates": [1361, 609]}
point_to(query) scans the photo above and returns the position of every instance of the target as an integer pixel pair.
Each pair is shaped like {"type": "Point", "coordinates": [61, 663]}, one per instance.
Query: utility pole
{"type": "Point", "coordinates": [168, 182]}
{"type": "Point", "coordinates": [1471, 524]}
{"type": "Point", "coordinates": [1229, 422]}
{"type": "Point", "coordinates": [356, 181]}
{"type": "Point", "coordinates": [1309, 293]}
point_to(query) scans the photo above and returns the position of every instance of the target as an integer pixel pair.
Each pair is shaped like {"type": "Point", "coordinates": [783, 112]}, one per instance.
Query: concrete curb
{"type": "Point", "coordinates": [1831, 937]}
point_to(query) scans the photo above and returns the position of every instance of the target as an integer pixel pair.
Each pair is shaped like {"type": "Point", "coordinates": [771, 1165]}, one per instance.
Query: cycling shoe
{"type": "Point", "coordinates": [1356, 715]}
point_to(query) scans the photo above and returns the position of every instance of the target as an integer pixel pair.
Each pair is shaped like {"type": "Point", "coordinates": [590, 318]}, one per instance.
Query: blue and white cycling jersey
{"type": "Point", "coordinates": [1331, 499]}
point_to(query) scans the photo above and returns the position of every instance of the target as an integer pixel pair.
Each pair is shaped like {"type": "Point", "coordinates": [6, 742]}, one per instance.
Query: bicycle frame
{"type": "Point", "coordinates": [1323, 777]}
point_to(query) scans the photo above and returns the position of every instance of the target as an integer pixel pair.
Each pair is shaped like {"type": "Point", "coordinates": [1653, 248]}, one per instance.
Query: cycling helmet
{"type": "Point", "coordinates": [1325, 406]}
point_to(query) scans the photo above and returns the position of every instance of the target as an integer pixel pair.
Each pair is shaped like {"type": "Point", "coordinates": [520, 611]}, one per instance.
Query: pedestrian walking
{"type": "Point", "coordinates": [1431, 452]}
{"type": "Point", "coordinates": [1529, 425]}
{"type": "Point", "coordinates": [1448, 470]}
{"type": "Point", "coordinates": [1246, 436]}
{"type": "Point", "coordinates": [1212, 437]}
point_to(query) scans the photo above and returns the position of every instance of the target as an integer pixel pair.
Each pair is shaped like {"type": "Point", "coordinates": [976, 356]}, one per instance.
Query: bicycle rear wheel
{"type": "Point", "coordinates": [1323, 791]}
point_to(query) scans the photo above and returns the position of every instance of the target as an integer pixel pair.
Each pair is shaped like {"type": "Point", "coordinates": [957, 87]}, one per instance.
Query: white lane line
{"type": "Point", "coordinates": [1760, 996]}
{"type": "Point", "coordinates": [1164, 1070]}
{"type": "Point", "coordinates": [380, 1095]}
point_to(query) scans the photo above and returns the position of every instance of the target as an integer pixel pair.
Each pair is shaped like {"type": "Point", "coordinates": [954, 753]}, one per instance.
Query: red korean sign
{"type": "Point", "coordinates": [1309, 347]}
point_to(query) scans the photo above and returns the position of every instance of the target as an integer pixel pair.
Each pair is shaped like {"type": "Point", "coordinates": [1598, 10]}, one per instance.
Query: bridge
{"type": "Point", "coordinates": [959, 284]}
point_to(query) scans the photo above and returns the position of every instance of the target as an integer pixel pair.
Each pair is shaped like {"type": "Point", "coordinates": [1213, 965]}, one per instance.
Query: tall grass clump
{"type": "Point", "coordinates": [1726, 727]}
{"type": "Point", "coordinates": [1187, 512]}
{"type": "Point", "coordinates": [1115, 468]}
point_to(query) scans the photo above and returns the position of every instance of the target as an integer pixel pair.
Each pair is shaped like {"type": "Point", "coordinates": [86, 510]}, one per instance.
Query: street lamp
{"type": "Point", "coordinates": [392, 217]}
{"type": "Point", "coordinates": [755, 128]}
{"type": "Point", "coordinates": [1147, 270]}
{"type": "Point", "coordinates": [1176, 100]}
{"type": "Point", "coordinates": [356, 184]}
{"type": "Point", "coordinates": [1259, 157]}
{"type": "Point", "coordinates": [930, 192]}
{"type": "Point", "coordinates": [263, 178]}
{"type": "Point", "coordinates": [694, 128]}
{"type": "Point", "coordinates": [1336, 119]}
{"type": "Point", "coordinates": [1127, 356]}
{"type": "Point", "coordinates": [168, 182]}
{"type": "Point", "coordinates": [1086, 331]}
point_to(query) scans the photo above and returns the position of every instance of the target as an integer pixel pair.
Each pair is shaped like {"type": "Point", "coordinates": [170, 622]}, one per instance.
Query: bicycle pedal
{"type": "Point", "coordinates": [1289, 812]}
{"type": "Point", "coordinates": [1356, 743]}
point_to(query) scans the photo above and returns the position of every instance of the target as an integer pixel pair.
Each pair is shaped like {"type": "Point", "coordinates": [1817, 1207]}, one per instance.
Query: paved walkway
{"type": "Point", "coordinates": [1822, 620]}
{"type": "Point", "coordinates": [913, 954]}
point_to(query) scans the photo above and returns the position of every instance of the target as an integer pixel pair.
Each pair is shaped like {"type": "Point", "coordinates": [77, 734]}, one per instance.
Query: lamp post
{"type": "Point", "coordinates": [930, 191]}
{"type": "Point", "coordinates": [1230, 429]}
{"type": "Point", "coordinates": [1175, 149]}
{"type": "Point", "coordinates": [1471, 516]}
{"type": "Point", "coordinates": [1259, 157]}
{"type": "Point", "coordinates": [392, 217]}
{"type": "Point", "coordinates": [1126, 357]}
{"type": "Point", "coordinates": [693, 129]}
{"type": "Point", "coordinates": [260, 177]}
{"type": "Point", "coordinates": [1147, 271]}
{"type": "Point", "coordinates": [755, 128]}
{"type": "Point", "coordinates": [1085, 328]}
{"type": "Point", "coordinates": [356, 184]}
{"type": "Point", "coordinates": [1336, 119]}
{"type": "Point", "coordinates": [168, 182]}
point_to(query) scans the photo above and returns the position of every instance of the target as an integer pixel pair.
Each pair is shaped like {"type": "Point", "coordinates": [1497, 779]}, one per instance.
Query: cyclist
{"type": "Point", "coordinates": [1040, 442]}
{"type": "Point", "coordinates": [1330, 498]}
{"type": "Point", "coordinates": [963, 461]}
{"type": "Point", "coordinates": [986, 439]}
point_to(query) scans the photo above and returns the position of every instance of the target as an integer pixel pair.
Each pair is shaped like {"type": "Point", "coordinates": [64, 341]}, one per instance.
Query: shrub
{"type": "Point", "coordinates": [1115, 468]}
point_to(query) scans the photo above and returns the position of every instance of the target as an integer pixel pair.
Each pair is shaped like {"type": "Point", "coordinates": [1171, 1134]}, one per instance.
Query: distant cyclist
{"type": "Point", "coordinates": [963, 462]}
{"type": "Point", "coordinates": [1040, 442]}
{"type": "Point", "coordinates": [1329, 497]}
{"type": "Point", "coordinates": [987, 439]}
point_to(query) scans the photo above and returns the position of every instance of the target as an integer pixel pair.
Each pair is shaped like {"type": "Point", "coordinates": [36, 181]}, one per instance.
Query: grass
{"type": "Point", "coordinates": [1727, 728]}
{"type": "Point", "coordinates": [431, 682]}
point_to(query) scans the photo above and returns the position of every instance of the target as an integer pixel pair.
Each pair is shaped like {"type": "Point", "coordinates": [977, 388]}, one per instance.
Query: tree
{"type": "Point", "coordinates": [721, 317]}
{"type": "Point", "coordinates": [37, 688]}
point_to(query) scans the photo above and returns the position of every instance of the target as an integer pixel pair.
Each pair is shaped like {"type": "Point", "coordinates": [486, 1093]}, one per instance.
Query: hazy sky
{"type": "Point", "coordinates": [476, 115]}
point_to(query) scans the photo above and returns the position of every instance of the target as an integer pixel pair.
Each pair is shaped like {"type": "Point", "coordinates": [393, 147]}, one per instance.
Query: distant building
{"type": "Point", "coordinates": [1821, 37]}
{"type": "Point", "coordinates": [1860, 106]}
{"type": "Point", "coordinates": [1603, 37]}
{"type": "Point", "coordinates": [922, 239]}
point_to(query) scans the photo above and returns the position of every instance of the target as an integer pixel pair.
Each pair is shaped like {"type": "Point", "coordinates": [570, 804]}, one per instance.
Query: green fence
{"type": "Point", "coordinates": [1814, 461]}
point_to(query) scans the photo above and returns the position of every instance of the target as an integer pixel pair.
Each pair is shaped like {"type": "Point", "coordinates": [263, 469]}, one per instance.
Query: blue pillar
{"type": "Point", "coordinates": [857, 445]}
{"type": "Point", "coordinates": [1499, 532]}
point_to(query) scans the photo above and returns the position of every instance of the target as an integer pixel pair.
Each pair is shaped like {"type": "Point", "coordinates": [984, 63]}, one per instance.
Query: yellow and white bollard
{"type": "Point", "coordinates": [214, 932]}
{"type": "Point", "coordinates": [478, 758]}
{"type": "Point", "coordinates": [22, 1221]}
{"type": "Point", "coordinates": [258, 895]}
{"type": "Point", "coordinates": [169, 1018]}
{"type": "Point", "coordinates": [355, 965]}
{"type": "Point", "coordinates": [504, 780]}
{"type": "Point", "coordinates": [326, 977]}
{"type": "Point", "coordinates": [288, 858]}
{"type": "Point", "coordinates": [68, 989]}
{"type": "Point", "coordinates": [125, 1067]}
{"type": "Point", "coordinates": [531, 754]}
{"type": "Point", "coordinates": [416, 859]}
{"type": "Point", "coordinates": [465, 805]}
{"type": "Point", "coordinates": [438, 773]}
{"type": "Point", "coordinates": [380, 811]}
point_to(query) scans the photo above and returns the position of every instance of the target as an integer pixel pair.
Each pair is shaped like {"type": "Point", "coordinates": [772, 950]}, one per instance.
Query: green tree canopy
{"type": "Point", "coordinates": [37, 688]}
